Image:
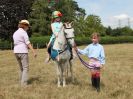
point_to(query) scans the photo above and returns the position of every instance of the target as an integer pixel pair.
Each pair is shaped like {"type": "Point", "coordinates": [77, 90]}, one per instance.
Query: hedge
{"type": "Point", "coordinates": [6, 45]}
{"type": "Point", "coordinates": [105, 40]}
{"type": "Point", "coordinates": [40, 42]}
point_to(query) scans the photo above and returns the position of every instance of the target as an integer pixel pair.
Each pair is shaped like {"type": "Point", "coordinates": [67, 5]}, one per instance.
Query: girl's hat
{"type": "Point", "coordinates": [56, 14]}
{"type": "Point", "coordinates": [26, 22]}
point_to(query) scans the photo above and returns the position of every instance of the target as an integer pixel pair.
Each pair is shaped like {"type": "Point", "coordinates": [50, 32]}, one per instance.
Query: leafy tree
{"type": "Point", "coordinates": [109, 30]}
{"type": "Point", "coordinates": [41, 15]}
{"type": "Point", "coordinates": [116, 32]}
{"type": "Point", "coordinates": [90, 24]}
{"type": "Point", "coordinates": [94, 24]}
{"type": "Point", "coordinates": [11, 12]}
{"type": "Point", "coordinates": [127, 31]}
{"type": "Point", "coordinates": [124, 31]}
{"type": "Point", "coordinates": [80, 26]}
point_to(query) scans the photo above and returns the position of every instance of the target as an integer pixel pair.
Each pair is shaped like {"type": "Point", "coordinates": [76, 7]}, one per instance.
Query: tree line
{"type": "Point", "coordinates": [38, 12]}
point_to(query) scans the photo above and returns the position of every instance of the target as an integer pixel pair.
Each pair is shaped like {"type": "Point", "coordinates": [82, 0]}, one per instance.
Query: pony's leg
{"type": "Point", "coordinates": [59, 83]}
{"type": "Point", "coordinates": [64, 81]}
{"type": "Point", "coordinates": [67, 70]}
{"type": "Point", "coordinates": [58, 75]}
{"type": "Point", "coordinates": [71, 70]}
{"type": "Point", "coordinates": [64, 72]}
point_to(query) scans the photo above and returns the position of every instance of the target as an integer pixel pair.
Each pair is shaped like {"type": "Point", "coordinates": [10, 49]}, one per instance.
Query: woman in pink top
{"type": "Point", "coordinates": [21, 45]}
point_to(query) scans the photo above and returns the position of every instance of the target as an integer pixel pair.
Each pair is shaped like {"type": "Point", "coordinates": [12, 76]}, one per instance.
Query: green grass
{"type": "Point", "coordinates": [116, 79]}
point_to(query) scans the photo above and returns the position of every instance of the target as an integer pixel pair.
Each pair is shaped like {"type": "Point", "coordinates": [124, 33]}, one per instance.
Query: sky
{"type": "Point", "coordinates": [114, 13]}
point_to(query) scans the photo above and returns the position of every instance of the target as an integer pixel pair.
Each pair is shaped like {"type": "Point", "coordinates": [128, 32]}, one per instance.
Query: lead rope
{"type": "Point", "coordinates": [83, 62]}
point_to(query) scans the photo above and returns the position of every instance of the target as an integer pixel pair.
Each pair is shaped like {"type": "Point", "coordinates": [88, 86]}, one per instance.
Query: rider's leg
{"type": "Point", "coordinates": [48, 52]}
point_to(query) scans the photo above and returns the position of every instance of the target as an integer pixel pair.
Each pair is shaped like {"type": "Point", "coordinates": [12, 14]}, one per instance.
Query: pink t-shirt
{"type": "Point", "coordinates": [21, 40]}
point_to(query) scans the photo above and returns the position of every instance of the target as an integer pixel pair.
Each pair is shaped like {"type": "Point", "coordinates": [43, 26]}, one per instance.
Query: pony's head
{"type": "Point", "coordinates": [68, 25]}
{"type": "Point", "coordinates": [68, 29]}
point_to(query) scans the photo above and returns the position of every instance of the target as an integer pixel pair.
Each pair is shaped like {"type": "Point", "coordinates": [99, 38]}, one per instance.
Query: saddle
{"type": "Point", "coordinates": [54, 53]}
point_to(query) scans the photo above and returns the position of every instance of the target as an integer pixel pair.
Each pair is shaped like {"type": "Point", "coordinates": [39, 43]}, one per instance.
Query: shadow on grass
{"type": "Point", "coordinates": [2, 96]}
{"type": "Point", "coordinates": [102, 85]}
{"type": "Point", "coordinates": [74, 81]}
{"type": "Point", "coordinates": [34, 80]}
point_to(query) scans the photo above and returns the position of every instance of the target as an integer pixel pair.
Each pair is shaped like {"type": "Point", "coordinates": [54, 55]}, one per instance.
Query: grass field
{"type": "Point", "coordinates": [116, 79]}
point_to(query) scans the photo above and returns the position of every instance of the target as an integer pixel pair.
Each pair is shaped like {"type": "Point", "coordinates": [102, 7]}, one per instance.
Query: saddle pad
{"type": "Point", "coordinates": [54, 54]}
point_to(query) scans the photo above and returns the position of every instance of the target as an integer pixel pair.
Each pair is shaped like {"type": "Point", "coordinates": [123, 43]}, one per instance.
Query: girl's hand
{"type": "Point", "coordinates": [75, 48]}
{"type": "Point", "coordinates": [102, 67]}
{"type": "Point", "coordinates": [56, 35]}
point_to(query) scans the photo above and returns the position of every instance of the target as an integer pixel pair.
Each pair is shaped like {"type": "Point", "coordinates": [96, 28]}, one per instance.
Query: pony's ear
{"type": "Point", "coordinates": [72, 23]}
{"type": "Point", "coordinates": [64, 24]}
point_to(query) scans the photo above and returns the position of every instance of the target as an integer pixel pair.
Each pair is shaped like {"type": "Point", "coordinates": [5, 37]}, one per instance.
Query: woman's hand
{"type": "Point", "coordinates": [35, 54]}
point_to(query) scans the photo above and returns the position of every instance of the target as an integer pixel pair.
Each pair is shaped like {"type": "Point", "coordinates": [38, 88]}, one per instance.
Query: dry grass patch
{"type": "Point", "coordinates": [116, 80]}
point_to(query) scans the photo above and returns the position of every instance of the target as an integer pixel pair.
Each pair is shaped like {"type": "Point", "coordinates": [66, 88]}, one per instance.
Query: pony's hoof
{"type": "Point", "coordinates": [59, 86]}
{"type": "Point", "coordinates": [64, 85]}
